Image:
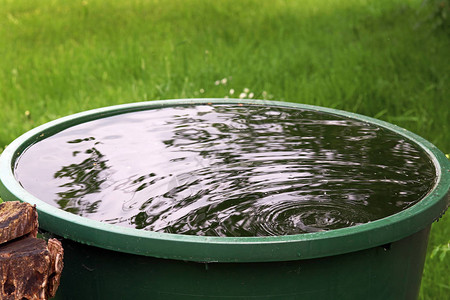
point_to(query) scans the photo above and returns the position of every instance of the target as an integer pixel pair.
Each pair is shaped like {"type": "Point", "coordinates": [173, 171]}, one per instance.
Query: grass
{"type": "Point", "coordinates": [378, 58]}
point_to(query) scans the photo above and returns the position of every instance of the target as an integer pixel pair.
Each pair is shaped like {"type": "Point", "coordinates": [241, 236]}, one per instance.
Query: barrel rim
{"type": "Point", "coordinates": [225, 249]}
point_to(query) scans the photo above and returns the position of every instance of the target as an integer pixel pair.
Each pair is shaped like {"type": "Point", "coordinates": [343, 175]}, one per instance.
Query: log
{"type": "Point", "coordinates": [29, 268]}
{"type": "Point", "coordinates": [24, 268]}
{"type": "Point", "coordinates": [56, 257]}
{"type": "Point", "coordinates": [17, 219]}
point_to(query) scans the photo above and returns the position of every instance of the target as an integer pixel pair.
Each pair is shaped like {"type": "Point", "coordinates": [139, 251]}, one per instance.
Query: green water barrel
{"type": "Point", "coordinates": [382, 259]}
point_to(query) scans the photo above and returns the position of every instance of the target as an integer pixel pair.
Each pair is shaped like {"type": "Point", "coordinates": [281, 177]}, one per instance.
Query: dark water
{"type": "Point", "coordinates": [228, 170]}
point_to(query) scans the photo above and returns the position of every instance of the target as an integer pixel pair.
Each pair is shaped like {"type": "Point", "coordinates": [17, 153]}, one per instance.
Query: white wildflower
{"type": "Point", "coordinates": [246, 90]}
{"type": "Point", "coordinates": [202, 91]}
{"type": "Point", "coordinates": [231, 91]}
{"type": "Point", "coordinates": [224, 81]}
{"type": "Point", "coordinates": [242, 95]}
{"type": "Point", "coordinates": [251, 95]}
{"type": "Point", "coordinates": [217, 82]}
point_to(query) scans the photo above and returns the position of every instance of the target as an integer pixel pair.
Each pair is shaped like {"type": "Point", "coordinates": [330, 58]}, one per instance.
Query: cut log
{"type": "Point", "coordinates": [17, 219]}
{"type": "Point", "coordinates": [56, 257]}
{"type": "Point", "coordinates": [24, 268]}
{"type": "Point", "coordinates": [29, 269]}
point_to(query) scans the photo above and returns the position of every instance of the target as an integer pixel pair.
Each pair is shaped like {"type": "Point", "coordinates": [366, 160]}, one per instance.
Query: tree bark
{"type": "Point", "coordinates": [29, 268]}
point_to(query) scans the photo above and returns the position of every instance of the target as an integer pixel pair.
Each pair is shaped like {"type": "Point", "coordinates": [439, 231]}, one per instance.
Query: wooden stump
{"type": "Point", "coordinates": [29, 268]}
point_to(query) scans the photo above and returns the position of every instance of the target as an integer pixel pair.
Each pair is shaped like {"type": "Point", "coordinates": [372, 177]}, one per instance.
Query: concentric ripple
{"type": "Point", "coordinates": [228, 170]}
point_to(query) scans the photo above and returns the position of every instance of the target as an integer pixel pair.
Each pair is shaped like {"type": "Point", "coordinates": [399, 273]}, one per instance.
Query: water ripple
{"type": "Point", "coordinates": [228, 170]}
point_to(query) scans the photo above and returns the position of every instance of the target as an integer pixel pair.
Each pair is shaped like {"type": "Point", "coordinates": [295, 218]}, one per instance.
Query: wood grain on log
{"type": "Point", "coordinates": [24, 268]}
{"type": "Point", "coordinates": [29, 269]}
{"type": "Point", "coordinates": [56, 257]}
{"type": "Point", "coordinates": [17, 219]}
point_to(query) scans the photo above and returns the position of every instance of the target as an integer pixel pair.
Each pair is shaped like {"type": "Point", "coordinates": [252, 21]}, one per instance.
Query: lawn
{"type": "Point", "coordinates": [386, 59]}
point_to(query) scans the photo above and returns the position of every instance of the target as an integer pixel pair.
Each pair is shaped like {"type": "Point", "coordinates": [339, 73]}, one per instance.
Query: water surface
{"type": "Point", "coordinates": [228, 170]}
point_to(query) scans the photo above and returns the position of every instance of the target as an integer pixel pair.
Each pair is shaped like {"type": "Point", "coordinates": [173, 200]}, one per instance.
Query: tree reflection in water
{"type": "Point", "coordinates": [83, 179]}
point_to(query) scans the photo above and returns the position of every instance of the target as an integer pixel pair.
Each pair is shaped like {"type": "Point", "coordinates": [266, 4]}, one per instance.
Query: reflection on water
{"type": "Point", "coordinates": [82, 179]}
{"type": "Point", "coordinates": [228, 170]}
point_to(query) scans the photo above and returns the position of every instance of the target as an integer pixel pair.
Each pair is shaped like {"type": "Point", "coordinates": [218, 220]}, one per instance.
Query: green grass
{"type": "Point", "coordinates": [378, 58]}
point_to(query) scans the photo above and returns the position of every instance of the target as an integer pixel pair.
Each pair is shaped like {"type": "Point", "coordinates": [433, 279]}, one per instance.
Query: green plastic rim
{"type": "Point", "coordinates": [225, 249]}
